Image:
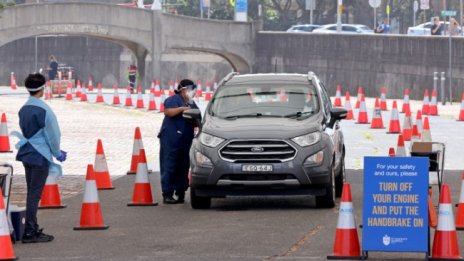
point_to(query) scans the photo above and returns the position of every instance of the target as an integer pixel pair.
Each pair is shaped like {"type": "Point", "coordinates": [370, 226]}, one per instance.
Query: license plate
{"type": "Point", "coordinates": [257, 168]}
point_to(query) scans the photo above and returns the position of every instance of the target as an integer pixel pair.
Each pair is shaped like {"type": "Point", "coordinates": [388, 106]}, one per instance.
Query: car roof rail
{"type": "Point", "coordinates": [311, 76]}
{"type": "Point", "coordinates": [228, 77]}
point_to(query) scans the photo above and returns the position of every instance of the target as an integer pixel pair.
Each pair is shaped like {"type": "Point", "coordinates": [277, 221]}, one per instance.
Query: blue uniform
{"type": "Point", "coordinates": [176, 137]}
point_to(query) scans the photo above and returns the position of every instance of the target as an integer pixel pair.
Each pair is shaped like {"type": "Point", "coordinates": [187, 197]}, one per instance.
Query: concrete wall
{"type": "Point", "coordinates": [371, 61]}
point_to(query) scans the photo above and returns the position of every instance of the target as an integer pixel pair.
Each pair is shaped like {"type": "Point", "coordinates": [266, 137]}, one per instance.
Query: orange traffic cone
{"type": "Point", "coordinates": [348, 108]}
{"type": "Point", "coordinates": [171, 88]}
{"type": "Point", "coordinates": [208, 91]}
{"type": "Point", "coordinates": [116, 100]}
{"type": "Point", "coordinates": [383, 99]}
{"type": "Point", "coordinates": [138, 145]}
{"type": "Point", "coordinates": [51, 195]}
{"type": "Point", "coordinates": [163, 98]}
{"type": "Point", "coordinates": [83, 94]}
{"type": "Point", "coordinates": [426, 135]}
{"type": "Point", "coordinates": [4, 138]}
{"type": "Point", "coordinates": [102, 175]}
{"type": "Point", "coordinates": [460, 205]}
{"type": "Point", "coordinates": [433, 104]}
{"type": "Point", "coordinates": [426, 103]}
{"type": "Point", "coordinates": [151, 102]}
{"type": "Point", "coordinates": [157, 89]}
{"type": "Point", "coordinates": [445, 241]}
{"type": "Point", "coordinates": [391, 152]}
{"type": "Point", "coordinates": [400, 149]}
{"type": "Point", "coordinates": [338, 97]}
{"type": "Point", "coordinates": [13, 81]}
{"type": "Point", "coordinates": [99, 94]}
{"type": "Point", "coordinates": [91, 214]}
{"type": "Point", "coordinates": [394, 126]}
{"type": "Point", "coordinates": [59, 89]}
{"type": "Point", "coordinates": [406, 106]}
{"type": "Point", "coordinates": [69, 95]}
{"type": "Point", "coordinates": [90, 88]}
{"type": "Point", "coordinates": [419, 121]}
{"type": "Point", "coordinates": [78, 89]}
{"type": "Point", "coordinates": [415, 134]}
{"type": "Point", "coordinates": [128, 97]}
{"type": "Point", "coordinates": [407, 128]}
{"type": "Point", "coordinates": [362, 114]}
{"type": "Point", "coordinates": [358, 101]}
{"type": "Point", "coordinates": [142, 189]}
{"type": "Point", "coordinates": [461, 112]}
{"type": "Point", "coordinates": [199, 90]}
{"type": "Point", "coordinates": [48, 91]}
{"type": "Point", "coordinates": [152, 87]}
{"type": "Point", "coordinates": [6, 247]}
{"type": "Point", "coordinates": [377, 122]}
{"type": "Point", "coordinates": [346, 245]}
{"type": "Point", "coordinates": [433, 219]}
{"type": "Point", "coordinates": [140, 104]}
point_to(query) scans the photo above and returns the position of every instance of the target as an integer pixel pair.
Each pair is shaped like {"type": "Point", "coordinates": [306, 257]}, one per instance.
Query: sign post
{"type": "Point", "coordinates": [415, 8]}
{"type": "Point", "coordinates": [395, 211]}
{"type": "Point", "coordinates": [241, 10]}
{"type": "Point", "coordinates": [311, 5]}
{"type": "Point", "coordinates": [450, 14]}
{"type": "Point", "coordinates": [375, 4]}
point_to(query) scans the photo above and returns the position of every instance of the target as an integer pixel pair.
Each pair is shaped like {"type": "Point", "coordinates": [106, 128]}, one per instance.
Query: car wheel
{"type": "Point", "coordinates": [341, 178]}
{"type": "Point", "coordinates": [199, 202]}
{"type": "Point", "coordinates": [328, 200]}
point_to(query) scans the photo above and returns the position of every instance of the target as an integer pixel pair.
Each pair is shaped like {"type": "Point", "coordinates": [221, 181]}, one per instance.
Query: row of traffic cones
{"type": "Point", "coordinates": [445, 242]}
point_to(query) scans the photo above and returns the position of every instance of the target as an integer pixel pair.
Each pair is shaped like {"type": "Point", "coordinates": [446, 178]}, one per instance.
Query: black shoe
{"type": "Point", "coordinates": [169, 200]}
{"type": "Point", "coordinates": [180, 197]}
{"type": "Point", "coordinates": [37, 237]}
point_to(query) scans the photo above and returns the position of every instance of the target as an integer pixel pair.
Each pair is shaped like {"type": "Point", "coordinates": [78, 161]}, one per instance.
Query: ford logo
{"type": "Point", "coordinates": [257, 149]}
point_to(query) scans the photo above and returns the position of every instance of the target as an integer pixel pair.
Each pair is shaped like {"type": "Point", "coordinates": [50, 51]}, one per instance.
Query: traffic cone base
{"type": "Point", "coordinates": [91, 217]}
{"type": "Point", "coordinates": [459, 217]}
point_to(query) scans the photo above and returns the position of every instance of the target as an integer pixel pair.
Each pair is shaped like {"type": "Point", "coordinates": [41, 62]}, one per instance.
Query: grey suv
{"type": "Point", "coordinates": [268, 134]}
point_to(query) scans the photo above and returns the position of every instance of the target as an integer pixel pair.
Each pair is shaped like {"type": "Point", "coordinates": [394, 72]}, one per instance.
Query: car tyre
{"type": "Point", "coordinates": [328, 200]}
{"type": "Point", "coordinates": [199, 202]}
{"type": "Point", "coordinates": [341, 178]}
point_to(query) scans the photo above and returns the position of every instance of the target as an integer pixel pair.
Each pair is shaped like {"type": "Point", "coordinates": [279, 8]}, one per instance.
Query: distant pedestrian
{"type": "Point", "coordinates": [437, 27]}
{"type": "Point", "coordinates": [454, 28]}
{"type": "Point", "coordinates": [38, 143]}
{"type": "Point", "coordinates": [52, 68]}
{"type": "Point", "coordinates": [132, 76]}
{"type": "Point", "coordinates": [384, 27]}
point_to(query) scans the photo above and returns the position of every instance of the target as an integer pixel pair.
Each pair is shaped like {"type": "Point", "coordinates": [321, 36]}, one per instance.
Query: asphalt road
{"type": "Point", "coordinates": [257, 228]}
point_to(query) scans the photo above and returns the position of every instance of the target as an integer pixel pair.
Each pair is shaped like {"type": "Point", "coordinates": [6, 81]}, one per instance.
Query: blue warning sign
{"type": "Point", "coordinates": [241, 6]}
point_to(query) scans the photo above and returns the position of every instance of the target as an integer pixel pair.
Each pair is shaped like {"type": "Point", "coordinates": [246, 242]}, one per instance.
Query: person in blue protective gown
{"type": "Point", "coordinates": [176, 137]}
{"type": "Point", "coordinates": [38, 143]}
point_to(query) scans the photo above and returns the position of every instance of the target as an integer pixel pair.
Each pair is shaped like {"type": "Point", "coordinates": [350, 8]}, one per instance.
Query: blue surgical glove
{"type": "Point", "coordinates": [62, 156]}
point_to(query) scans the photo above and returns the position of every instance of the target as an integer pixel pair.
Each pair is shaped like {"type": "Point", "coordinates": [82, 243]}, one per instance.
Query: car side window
{"type": "Point", "coordinates": [327, 105]}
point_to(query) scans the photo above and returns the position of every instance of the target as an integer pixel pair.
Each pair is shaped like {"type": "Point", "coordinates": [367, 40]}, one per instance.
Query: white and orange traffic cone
{"type": "Point", "coordinates": [407, 126]}
{"type": "Point", "coordinates": [338, 97]}
{"type": "Point", "coordinates": [128, 102]}
{"type": "Point", "coordinates": [69, 95]}
{"type": "Point", "coordinates": [171, 88]}
{"type": "Point", "coordinates": [419, 121]}
{"type": "Point", "coordinates": [13, 81]}
{"type": "Point", "coordinates": [426, 103]}
{"type": "Point", "coordinates": [415, 134]}
{"type": "Point", "coordinates": [137, 146]}
{"type": "Point", "coordinates": [426, 135]}
{"type": "Point", "coordinates": [358, 101]}
{"type": "Point", "coordinates": [78, 89]}
{"type": "Point", "coordinates": [99, 94]}
{"type": "Point", "coordinates": [83, 94]}
{"type": "Point", "coordinates": [142, 195]}
{"type": "Point", "coordinates": [391, 152]}
{"type": "Point", "coordinates": [90, 86]}
{"type": "Point", "coordinates": [4, 136]}
{"type": "Point", "coordinates": [48, 91]}
{"type": "Point", "coordinates": [116, 100]}
{"type": "Point", "coordinates": [199, 89]}
{"type": "Point", "coordinates": [208, 91]}
{"type": "Point", "coordinates": [433, 111]}
{"type": "Point", "coordinates": [91, 213]}
{"type": "Point", "coordinates": [151, 102]}
{"type": "Point", "coordinates": [6, 246]}
{"type": "Point", "coordinates": [406, 107]}
{"type": "Point", "coordinates": [102, 174]}
{"type": "Point", "coordinates": [140, 104]}
{"type": "Point", "coordinates": [400, 149]}
{"type": "Point", "coordinates": [349, 115]}
{"type": "Point", "coordinates": [383, 99]}
{"type": "Point", "coordinates": [59, 89]}
{"type": "Point", "coordinates": [394, 126]}
{"type": "Point", "coordinates": [461, 112]}
{"type": "Point", "coordinates": [157, 89]}
{"type": "Point", "coordinates": [460, 205]}
{"type": "Point", "coordinates": [163, 98]}
{"type": "Point", "coordinates": [445, 241]}
{"type": "Point", "coordinates": [152, 87]}
{"type": "Point", "coordinates": [346, 244]}
{"type": "Point", "coordinates": [51, 195]}
{"type": "Point", "coordinates": [377, 122]}
{"type": "Point", "coordinates": [362, 114]}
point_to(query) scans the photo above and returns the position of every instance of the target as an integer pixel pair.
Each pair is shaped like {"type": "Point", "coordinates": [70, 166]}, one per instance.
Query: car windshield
{"type": "Point", "coordinates": [269, 100]}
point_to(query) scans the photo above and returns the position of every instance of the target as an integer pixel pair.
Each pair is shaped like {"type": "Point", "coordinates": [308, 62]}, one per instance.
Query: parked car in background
{"type": "Point", "coordinates": [303, 28]}
{"type": "Point", "coordinates": [425, 29]}
{"type": "Point", "coordinates": [346, 29]}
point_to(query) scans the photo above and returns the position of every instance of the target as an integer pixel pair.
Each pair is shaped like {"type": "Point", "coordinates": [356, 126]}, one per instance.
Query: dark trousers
{"type": "Point", "coordinates": [35, 179]}
{"type": "Point", "coordinates": [174, 168]}
{"type": "Point", "coordinates": [132, 81]}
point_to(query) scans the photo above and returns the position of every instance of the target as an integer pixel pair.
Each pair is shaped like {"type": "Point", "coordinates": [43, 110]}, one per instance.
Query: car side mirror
{"type": "Point", "coordinates": [336, 115]}
{"type": "Point", "coordinates": [193, 116]}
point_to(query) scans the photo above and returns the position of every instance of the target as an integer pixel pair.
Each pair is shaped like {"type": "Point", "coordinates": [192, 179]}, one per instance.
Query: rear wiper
{"type": "Point", "coordinates": [251, 115]}
{"type": "Point", "coordinates": [297, 114]}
